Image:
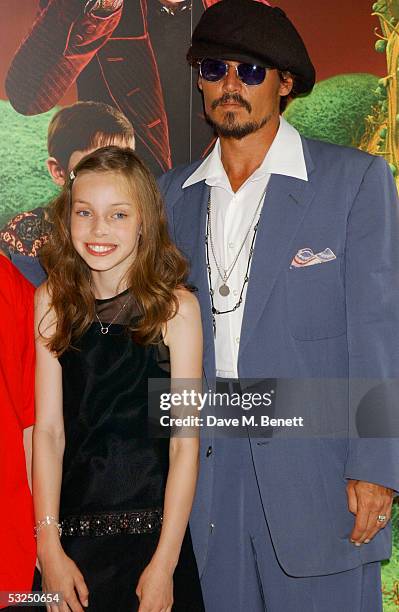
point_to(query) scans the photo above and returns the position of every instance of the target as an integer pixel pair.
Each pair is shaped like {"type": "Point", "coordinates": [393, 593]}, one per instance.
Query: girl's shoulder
{"type": "Point", "coordinates": [44, 313]}
{"type": "Point", "coordinates": [42, 295]}
{"type": "Point", "coordinates": [186, 321]}
{"type": "Point", "coordinates": [188, 304]}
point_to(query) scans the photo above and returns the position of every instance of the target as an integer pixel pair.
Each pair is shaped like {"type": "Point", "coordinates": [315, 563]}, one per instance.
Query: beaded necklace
{"type": "Point", "coordinates": [215, 311]}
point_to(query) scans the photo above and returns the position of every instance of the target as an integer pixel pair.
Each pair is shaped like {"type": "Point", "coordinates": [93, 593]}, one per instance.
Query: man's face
{"type": "Point", "coordinates": [237, 110]}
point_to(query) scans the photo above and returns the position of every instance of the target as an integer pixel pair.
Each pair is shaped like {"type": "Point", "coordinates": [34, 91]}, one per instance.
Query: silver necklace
{"type": "Point", "coordinates": [215, 311]}
{"type": "Point", "coordinates": [225, 273]}
{"type": "Point", "coordinates": [105, 328]}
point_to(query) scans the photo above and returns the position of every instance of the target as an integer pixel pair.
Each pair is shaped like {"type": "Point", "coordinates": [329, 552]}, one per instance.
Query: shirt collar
{"type": "Point", "coordinates": [285, 157]}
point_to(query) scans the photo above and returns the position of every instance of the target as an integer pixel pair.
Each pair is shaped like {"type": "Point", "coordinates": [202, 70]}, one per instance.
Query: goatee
{"type": "Point", "coordinates": [230, 128]}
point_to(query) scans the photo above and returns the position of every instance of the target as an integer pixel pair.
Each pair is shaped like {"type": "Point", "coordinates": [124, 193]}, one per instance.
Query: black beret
{"type": "Point", "coordinates": [250, 31]}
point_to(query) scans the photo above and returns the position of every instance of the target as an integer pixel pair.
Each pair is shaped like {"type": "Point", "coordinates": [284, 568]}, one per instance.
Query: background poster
{"type": "Point", "coordinates": [142, 69]}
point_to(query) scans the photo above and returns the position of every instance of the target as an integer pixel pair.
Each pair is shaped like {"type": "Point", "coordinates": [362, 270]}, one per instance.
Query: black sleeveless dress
{"type": "Point", "coordinates": [114, 473]}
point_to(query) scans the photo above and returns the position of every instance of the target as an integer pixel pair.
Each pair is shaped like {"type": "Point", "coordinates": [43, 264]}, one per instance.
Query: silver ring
{"type": "Point", "coordinates": [381, 518]}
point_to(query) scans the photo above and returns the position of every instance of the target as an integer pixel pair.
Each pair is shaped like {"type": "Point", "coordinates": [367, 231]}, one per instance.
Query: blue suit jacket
{"type": "Point", "coordinates": [337, 320]}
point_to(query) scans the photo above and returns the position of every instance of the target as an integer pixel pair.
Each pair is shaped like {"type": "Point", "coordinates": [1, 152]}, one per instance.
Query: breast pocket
{"type": "Point", "coordinates": [316, 301]}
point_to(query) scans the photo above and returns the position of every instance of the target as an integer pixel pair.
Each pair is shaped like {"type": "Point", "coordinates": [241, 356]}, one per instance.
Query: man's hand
{"type": "Point", "coordinates": [368, 501]}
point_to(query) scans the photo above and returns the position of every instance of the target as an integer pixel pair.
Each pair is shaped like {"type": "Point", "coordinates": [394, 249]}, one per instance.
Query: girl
{"type": "Point", "coordinates": [113, 305]}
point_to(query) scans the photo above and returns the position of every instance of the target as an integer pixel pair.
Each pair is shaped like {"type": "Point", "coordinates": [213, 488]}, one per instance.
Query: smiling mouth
{"type": "Point", "coordinates": [99, 250]}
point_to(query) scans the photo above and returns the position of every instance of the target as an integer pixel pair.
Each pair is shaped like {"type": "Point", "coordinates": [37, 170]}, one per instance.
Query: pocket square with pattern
{"type": "Point", "coordinates": [306, 257]}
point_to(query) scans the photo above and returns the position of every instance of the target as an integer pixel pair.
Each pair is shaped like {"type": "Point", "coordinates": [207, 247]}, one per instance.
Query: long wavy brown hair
{"type": "Point", "coordinates": [157, 271]}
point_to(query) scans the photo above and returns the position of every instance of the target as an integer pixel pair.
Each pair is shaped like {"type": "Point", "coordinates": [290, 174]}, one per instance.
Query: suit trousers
{"type": "Point", "coordinates": [242, 572]}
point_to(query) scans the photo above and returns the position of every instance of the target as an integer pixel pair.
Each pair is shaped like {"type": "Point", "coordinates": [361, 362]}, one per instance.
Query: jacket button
{"type": "Point", "coordinates": [209, 451]}
{"type": "Point", "coordinates": [211, 526]}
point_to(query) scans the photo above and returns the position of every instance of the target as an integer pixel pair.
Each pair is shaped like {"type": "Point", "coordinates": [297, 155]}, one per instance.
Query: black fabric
{"type": "Point", "coordinates": [110, 462]}
{"type": "Point", "coordinates": [112, 565]}
{"type": "Point", "coordinates": [249, 31]}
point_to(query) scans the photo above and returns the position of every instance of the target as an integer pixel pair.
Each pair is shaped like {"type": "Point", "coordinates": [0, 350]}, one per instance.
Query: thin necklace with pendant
{"type": "Point", "coordinates": [214, 310]}
{"type": "Point", "coordinates": [223, 273]}
{"type": "Point", "coordinates": [105, 328]}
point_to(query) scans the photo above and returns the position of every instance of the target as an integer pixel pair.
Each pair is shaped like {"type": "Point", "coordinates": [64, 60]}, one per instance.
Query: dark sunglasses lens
{"type": "Point", "coordinates": [251, 75]}
{"type": "Point", "coordinates": [213, 70]}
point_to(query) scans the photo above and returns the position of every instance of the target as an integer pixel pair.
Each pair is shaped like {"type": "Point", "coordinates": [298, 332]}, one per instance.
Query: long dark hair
{"type": "Point", "coordinates": [157, 271]}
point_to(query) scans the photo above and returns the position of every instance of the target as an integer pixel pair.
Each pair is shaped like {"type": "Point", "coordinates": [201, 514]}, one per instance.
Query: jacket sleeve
{"type": "Point", "coordinates": [372, 308]}
{"type": "Point", "coordinates": [62, 41]}
{"type": "Point", "coordinates": [164, 183]}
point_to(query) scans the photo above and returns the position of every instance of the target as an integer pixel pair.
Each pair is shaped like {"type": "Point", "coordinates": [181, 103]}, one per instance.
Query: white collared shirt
{"type": "Point", "coordinates": [231, 216]}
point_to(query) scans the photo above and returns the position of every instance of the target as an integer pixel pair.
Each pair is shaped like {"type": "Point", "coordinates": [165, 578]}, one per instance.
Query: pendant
{"type": "Point", "coordinates": [104, 330]}
{"type": "Point", "coordinates": [224, 290]}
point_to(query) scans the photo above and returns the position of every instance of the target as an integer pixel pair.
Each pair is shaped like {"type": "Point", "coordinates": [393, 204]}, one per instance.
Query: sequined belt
{"type": "Point", "coordinates": [114, 523]}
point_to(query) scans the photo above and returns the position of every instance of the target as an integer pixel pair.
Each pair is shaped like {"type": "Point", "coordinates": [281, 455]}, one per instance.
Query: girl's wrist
{"type": "Point", "coordinates": [48, 556]}
{"type": "Point", "coordinates": [47, 553]}
{"type": "Point", "coordinates": [48, 539]}
{"type": "Point", "coordinates": [165, 562]}
{"type": "Point", "coordinates": [48, 521]}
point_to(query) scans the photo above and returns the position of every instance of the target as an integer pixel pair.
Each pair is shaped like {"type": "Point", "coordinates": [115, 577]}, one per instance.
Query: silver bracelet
{"type": "Point", "coordinates": [48, 520]}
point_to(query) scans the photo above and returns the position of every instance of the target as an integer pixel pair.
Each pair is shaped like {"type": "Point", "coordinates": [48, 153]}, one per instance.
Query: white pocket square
{"type": "Point", "coordinates": [306, 257]}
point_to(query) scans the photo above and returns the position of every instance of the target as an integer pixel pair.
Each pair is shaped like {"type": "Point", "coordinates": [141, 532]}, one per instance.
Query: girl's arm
{"type": "Point", "coordinates": [27, 441]}
{"type": "Point", "coordinates": [59, 573]}
{"type": "Point", "coordinates": [183, 336]}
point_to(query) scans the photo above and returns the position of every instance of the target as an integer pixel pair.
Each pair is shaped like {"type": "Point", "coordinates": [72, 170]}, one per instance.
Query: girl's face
{"type": "Point", "coordinates": [105, 224]}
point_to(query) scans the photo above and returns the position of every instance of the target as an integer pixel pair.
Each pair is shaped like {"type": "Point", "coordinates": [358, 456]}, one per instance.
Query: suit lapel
{"type": "Point", "coordinates": [287, 200]}
{"type": "Point", "coordinates": [190, 213]}
{"type": "Point", "coordinates": [286, 204]}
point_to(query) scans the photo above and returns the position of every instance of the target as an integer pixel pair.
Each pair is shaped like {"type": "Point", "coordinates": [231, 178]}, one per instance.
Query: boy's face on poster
{"type": "Point", "coordinates": [105, 224]}
{"type": "Point", "coordinates": [236, 109]}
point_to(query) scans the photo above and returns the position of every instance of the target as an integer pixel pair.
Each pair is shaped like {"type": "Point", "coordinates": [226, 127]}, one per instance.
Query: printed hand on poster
{"type": "Point", "coordinates": [131, 58]}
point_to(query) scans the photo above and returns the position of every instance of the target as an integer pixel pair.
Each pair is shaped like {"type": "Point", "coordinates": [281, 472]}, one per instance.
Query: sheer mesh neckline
{"type": "Point", "coordinates": [122, 310]}
{"type": "Point", "coordinates": [118, 310]}
{"type": "Point", "coordinates": [114, 297]}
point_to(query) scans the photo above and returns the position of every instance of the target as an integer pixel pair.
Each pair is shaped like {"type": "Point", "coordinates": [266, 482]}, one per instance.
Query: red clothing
{"type": "Point", "coordinates": [17, 544]}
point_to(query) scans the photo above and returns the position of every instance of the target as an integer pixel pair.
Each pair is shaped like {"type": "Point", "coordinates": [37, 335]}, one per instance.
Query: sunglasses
{"type": "Point", "coordinates": [214, 70]}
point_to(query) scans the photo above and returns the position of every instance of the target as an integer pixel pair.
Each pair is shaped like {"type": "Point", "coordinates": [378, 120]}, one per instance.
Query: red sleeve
{"type": "Point", "coordinates": [27, 356]}
{"type": "Point", "coordinates": [17, 342]}
{"type": "Point", "coordinates": [18, 548]}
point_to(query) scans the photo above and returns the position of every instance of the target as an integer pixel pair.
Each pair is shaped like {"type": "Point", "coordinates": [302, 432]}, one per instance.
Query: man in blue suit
{"type": "Point", "coordinates": [294, 249]}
